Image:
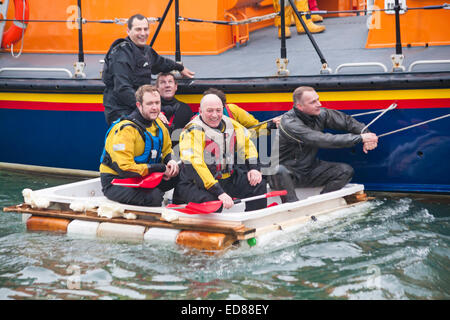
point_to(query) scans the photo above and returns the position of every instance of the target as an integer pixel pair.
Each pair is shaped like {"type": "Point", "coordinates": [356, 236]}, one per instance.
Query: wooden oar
{"type": "Point", "coordinates": [150, 181]}
{"type": "Point", "coordinates": [213, 206]}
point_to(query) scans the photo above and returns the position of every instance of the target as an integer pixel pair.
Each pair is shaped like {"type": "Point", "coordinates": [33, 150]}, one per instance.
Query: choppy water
{"type": "Point", "coordinates": [388, 248]}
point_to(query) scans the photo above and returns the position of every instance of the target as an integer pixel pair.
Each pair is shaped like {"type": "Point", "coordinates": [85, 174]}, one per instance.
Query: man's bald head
{"type": "Point", "coordinates": [211, 110]}
{"type": "Point", "coordinates": [210, 99]}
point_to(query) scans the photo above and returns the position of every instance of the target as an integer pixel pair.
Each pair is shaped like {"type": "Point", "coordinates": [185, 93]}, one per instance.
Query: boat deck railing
{"type": "Point", "coordinates": [397, 58]}
{"type": "Point", "coordinates": [29, 69]}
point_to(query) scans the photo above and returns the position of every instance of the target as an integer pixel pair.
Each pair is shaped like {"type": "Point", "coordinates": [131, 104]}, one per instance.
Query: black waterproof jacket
{"type": "Point", "coordinates": [180, 111]}
{"type": "Point", "coordinates": [126, 68]}
{"type": "Point", "coordinates": [301, 136]}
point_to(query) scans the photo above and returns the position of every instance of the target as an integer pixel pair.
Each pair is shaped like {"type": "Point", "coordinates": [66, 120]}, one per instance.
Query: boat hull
{"type": "Point", "coordinates": [60, 123]}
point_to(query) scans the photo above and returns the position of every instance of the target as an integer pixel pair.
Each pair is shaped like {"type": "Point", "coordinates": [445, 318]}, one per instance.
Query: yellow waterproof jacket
{"type": "Point", "coordinates": [245, 119]}
{"type": "Point", "coordinates": [197, 164]}
{"type": "Point", "coordinates": [125, 142]}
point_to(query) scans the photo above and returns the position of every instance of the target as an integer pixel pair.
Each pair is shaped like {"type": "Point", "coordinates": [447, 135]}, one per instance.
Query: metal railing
{"type": "Point", "coordinates": [15, 69]}
{"type": "Point", "coordinates": [282, 62]}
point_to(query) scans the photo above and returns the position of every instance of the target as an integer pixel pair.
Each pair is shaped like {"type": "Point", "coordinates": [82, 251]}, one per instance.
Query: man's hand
{"type": "Point", "coordinates": [370, 141]}
{"type": "Point", "coordinates": [226, 200]}
{"type": "Point", "coordinates": [276, 120]}
{"type": "Point", "coordinates": [163, 118]}
{"type": "Point", "coordinates": [369, 146]}
{"type": "Point", "coordinates": [254, 177]}
{"type": "Point", "coordinates": [187, 73]}
{"type": "Point", "coordinates": [172, 170]}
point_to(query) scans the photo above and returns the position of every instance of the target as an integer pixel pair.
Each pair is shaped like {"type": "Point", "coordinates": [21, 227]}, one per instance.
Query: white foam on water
{"type": "Point", "coordinates": [122, 292]}
{"type": "Point", "coordinates": [39, 275]}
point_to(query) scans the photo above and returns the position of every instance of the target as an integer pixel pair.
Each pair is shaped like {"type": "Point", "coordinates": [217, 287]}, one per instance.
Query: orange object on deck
{"type": "Point", "coordinates": [98, 34]}
{"type": "Point", "coordinates": [205, 241]}
{"type": "Point", "coordinates": [35, 223]}
{"type": "Point", "coordinates": [340, 5]}
{"type": "Point", "coordinates": [417, 27]}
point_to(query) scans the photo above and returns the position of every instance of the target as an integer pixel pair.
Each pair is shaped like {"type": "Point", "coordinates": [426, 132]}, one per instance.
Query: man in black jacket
{"type": "Point", "coordinates": [129, 63]}
{"type": "Point", "coordinates": [299, 139]}
{"type": "Point", "coordinates": [174, 113]}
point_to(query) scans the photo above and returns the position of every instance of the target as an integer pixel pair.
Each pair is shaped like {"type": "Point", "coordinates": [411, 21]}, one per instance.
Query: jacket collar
{"type": "Point", "coordinates": [136, 116]}
{"type": "Point", "coordinates": [139, 54]}
{"type": "Point", "coordinates": [303, 116]}
{"type": "Point", "coordinates": [168, 102]}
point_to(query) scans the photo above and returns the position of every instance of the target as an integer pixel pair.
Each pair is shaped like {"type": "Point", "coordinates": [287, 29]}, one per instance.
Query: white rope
{"type": "Point", "coordinates": [366, 113]}
{"type": "Point", "coordinates": [391, 107]}
{"type": "Point", "coordinates": [414, 125]}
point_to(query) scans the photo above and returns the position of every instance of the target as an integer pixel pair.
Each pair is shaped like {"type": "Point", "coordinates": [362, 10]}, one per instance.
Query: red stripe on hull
{"type": "Point", "coordinates": [382, 104]}
{"type": "Point", "coordinates": [249, 106]}
{"type": "Point", "coordinates": [51, 106]}
{"type": "Point", "coordinates": [345, 105]}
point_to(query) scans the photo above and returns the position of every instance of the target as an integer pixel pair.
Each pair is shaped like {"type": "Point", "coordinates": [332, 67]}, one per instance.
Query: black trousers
{"type": "Point", "coordinates": [331, 175]}
{"type": "Point", "coordinates": [236, 186]}
{"type": "Point", "coordinates": [136, 196]}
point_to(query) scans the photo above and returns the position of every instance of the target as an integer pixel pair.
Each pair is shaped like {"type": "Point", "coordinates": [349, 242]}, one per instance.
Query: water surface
{"type": "Point", "coordinates": [388, 248]}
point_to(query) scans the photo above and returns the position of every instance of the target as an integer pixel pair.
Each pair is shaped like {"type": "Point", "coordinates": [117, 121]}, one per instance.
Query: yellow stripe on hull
{"type": "Point", "coordinates": [244, 97]}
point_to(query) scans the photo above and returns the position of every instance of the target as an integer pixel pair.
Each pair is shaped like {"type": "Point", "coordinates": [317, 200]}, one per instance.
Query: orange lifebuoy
{"type": "Point", "coordinates": [15, 31]}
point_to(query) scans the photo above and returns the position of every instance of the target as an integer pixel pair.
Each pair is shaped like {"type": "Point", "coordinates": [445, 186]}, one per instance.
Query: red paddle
{"type": "Point", "coordinates": [213, 206]}
{"type": "Point", "coordinates": [195, 208]}
{"type": "Point", "coordinates": [150, 181]}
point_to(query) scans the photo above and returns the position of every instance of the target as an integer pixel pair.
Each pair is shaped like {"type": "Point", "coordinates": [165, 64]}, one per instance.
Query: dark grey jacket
{"type": "Point", "coordinates": [301, 136]}
{"type": "Point", "coordinates": [126, 68]}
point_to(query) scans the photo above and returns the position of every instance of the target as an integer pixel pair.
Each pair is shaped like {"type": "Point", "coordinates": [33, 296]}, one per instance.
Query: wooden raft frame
{"type": "Point", "coordinates": [153, 220]}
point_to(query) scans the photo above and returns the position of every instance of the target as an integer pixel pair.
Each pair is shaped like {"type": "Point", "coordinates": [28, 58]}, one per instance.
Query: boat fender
{"type": "Point", "coordinates": [17, 29]}
{"type": "Point", "coordinates": [207, 242]}
{"type": "Point", "coordinates": [161, 235]}
{"type": "Point", "coordinates": [110, 211]}
{"type": "Point", "coordinates": [30, 198]}
{"type": "Point", "coordinates": [83, 229]}
{"type": "Point", "coordinates": [35, 223]}
{"type": "Point", "coordinates": [120, 231]}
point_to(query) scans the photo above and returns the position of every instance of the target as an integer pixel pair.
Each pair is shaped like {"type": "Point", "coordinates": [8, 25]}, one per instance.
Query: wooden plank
{"type": "Point", "coordinates": [222, 223]}
{"type": "Point", "coordinates": [306, 218]}
{"type": "Point", "coordinates": [146, 214]}
{"type": "Point", "coordinates": [88, 216]}
{"type": "Point", "coordinates": [92, 216]}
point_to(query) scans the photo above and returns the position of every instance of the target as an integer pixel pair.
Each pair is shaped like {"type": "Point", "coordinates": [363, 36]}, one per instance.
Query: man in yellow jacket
{"type": "Point", "coordinates": [136, 146]}
{"type": "Point", "coordinates": [210, 147]}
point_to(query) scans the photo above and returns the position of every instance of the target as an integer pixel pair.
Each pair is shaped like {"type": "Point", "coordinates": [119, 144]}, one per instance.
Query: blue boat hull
{"type": "Point", "coordinates": [415, 160]}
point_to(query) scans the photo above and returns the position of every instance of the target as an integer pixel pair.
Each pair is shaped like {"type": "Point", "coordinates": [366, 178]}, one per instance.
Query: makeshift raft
{"type": "Point", "coordinates": [81, 209]}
